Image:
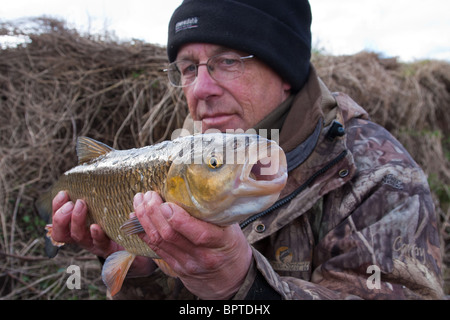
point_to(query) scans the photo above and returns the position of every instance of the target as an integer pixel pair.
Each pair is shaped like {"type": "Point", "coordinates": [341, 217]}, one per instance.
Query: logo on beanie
{"type": "Point", "coordinates": [186, 24]}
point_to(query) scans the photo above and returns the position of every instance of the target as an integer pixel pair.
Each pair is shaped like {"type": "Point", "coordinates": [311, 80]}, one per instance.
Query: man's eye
{"type": "Point", "coordinates": [188, 70]}
{"type": "Point", "coordinates": [227, 62]}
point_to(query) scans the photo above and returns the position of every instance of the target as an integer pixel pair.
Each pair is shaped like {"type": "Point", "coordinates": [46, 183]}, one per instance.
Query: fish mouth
{"type": "Point", "coordinates": [263, 173]}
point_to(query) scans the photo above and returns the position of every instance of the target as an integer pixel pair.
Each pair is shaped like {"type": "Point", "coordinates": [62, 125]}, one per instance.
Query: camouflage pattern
{"type": "Point", "coordinates": [363, 228]}
{"type": "Point", "coordinates": [371, 211]}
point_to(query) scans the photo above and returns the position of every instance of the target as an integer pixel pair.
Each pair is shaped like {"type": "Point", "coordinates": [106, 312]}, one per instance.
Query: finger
{"type": "Point", "coordinates": [143, 206]}
{"type": "Point", "coordinates": [59, 200]}
{"type": "Point", "coordinates": [140, 211]}
{"type": "Point", "coordinates": [164, 230]}
{"type": "Point", "coordinates": [102, 245]}
{"type": "Point", "coordinates": [61, 223]}
{"type": "Point", "coordinates": [197, 247]}
{"type": "Point", "coordinates": [199, 232]}
{"type": "Point", "coordinates": [147, 209]}
{"type": "Point", "coordinates": [160, 230]}
{"type": "Point", "coordinates": [78, 227]}
{"type": "Point", "coordinates": [99, 237]}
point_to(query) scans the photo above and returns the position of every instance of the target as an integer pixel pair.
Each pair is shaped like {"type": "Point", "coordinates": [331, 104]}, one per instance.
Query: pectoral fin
{"type": "Point", "coordinates": [115, 269]}
{"type": "Point", "coordinates": [132, 226]}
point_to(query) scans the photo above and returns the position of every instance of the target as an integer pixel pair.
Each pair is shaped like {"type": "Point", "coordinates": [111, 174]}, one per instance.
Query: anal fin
{"type": "Point", "coordinates": [115, 270]}
{"type": "Point", "coordinates": [165, 268]}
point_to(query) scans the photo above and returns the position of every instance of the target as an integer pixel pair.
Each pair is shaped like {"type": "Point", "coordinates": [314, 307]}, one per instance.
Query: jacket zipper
{"type": "Point", "coordinates": [289, 198]}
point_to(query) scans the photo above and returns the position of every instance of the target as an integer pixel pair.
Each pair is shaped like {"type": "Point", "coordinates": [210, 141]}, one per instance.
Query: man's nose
{"type": "Point", "coordinates": [205, 85]}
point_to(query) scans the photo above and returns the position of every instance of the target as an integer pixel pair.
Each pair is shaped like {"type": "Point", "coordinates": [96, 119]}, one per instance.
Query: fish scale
{"type": "Point", "coordinates": [109, 194]}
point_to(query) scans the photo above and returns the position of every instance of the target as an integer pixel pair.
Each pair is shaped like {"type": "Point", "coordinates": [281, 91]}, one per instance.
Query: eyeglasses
{"type": "Point", "coordinates": [222, 67]}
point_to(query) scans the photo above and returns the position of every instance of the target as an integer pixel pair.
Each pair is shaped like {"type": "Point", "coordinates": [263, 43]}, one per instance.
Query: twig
{"type": "Point", "coordinates": [24, 258]}
{"type": "Point", "coordinates": [28, 286]}
{"type": "Point", "coordinates": [13, 223]}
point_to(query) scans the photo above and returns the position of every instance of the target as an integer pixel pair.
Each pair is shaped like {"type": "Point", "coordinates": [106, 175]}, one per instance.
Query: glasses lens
{"type": "Point", "coordinates": [223, 67]}
{"type": "Point", "coordinates": [227, 66]}
{"type": "Point", "coordinates": [182, 73]}
{"type": "Point", "coordinates": [174, 75]}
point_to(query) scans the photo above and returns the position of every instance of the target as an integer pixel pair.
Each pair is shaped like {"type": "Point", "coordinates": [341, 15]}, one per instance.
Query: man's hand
{"type": "Point", "coordinates": [211, 261]}
{"type": "Point", "coordinates": [70, 226]}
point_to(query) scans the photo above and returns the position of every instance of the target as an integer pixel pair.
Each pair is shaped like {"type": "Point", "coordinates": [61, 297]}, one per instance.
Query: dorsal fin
{"type": "Point", "coordinates": [89, 149]}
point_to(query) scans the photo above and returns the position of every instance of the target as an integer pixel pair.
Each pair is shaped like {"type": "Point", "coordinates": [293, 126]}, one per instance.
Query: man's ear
{"type": "Point", "coordinates": [287, 87]}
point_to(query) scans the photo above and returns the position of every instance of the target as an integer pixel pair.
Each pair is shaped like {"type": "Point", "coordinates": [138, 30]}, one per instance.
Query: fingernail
{"type": "Point", "coordinates": [148, 196]}
{"type": "Point", "coordinates": [138, 199]}
{"type": "Point", "coordinates": [166, 211]}
{"type": "Point", "coordinates": [67, 207]}
{"type": "Point", "coordinates": [60, 196]}
{"type": "Point", "coordinates": [79, 206]}
{"type": "Point", "coordinates": [94, 231]}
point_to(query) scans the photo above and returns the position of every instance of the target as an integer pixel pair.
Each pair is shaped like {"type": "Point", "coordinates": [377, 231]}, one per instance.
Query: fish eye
{"type": "Point", "coordinates": [214, 162]}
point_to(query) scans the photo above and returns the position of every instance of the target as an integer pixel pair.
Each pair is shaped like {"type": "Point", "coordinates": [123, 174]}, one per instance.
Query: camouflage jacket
{"type": "Point", "coordinates": [356, 219]}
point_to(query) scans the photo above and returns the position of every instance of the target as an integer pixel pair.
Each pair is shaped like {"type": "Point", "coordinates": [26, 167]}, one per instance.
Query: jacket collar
{"type": "Point", "coordinates": [304, 114]}
{"type": "Point", "coordinates": [319, 164]}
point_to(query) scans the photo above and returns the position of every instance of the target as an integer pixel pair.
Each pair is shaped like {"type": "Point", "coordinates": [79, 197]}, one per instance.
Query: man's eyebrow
{"type": "Point", "coordinates": [220, 49]}
{"type": "Point", "coordinates": [185, 56]}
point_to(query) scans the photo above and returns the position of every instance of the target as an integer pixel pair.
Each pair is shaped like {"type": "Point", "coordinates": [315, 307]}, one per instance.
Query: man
{"type": "Point", "coordinates": [356, 219]}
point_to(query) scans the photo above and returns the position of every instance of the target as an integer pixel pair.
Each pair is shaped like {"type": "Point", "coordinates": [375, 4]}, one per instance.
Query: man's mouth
{"type": "Point", "coordinates": [216, 120]}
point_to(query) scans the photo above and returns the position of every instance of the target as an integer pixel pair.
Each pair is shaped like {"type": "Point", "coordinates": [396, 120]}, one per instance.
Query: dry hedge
{"type": "Point", "coordinates": [62, 85]}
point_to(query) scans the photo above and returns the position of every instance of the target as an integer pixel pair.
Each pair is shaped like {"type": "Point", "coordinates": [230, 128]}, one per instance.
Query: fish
{"type": "Point", "coordinates": [220, 178]}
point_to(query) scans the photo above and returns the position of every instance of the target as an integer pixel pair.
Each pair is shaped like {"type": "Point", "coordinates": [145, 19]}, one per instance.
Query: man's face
{"type": "Point", "coordinates": [235, 104]}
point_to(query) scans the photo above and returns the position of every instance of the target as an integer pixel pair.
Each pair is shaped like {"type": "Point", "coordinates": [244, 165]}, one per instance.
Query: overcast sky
{"type": "Point", "coordinates": [409, 29]}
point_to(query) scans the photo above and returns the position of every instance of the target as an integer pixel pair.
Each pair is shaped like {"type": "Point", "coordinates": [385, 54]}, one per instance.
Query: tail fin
{"type": "Point", "coordinates": [115, 269]}
{"type": "Point", "coordinates": [44, 206]}
{"type": "Point", "coordinates": [50, 249]}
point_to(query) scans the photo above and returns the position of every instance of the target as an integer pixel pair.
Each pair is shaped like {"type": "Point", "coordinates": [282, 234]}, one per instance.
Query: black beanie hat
{"type": "Point", "coordinates": [276, 31]}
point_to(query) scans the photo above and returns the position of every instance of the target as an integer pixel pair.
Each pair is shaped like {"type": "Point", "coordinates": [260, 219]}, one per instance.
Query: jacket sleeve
{"type": "Point", "coordinates": [263, 283]}
{"type": "Point", "coordinates": [378, 237]}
